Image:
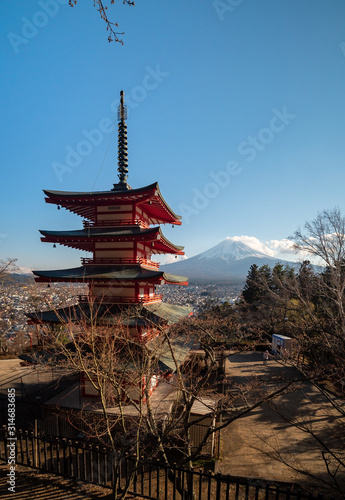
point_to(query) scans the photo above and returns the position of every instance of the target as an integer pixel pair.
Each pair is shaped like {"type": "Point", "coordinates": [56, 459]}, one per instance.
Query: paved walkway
{"type": "Point", "coordinates": [257, 444]}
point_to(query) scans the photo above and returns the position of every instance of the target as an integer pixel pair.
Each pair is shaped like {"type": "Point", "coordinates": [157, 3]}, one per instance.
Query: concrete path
{"type": "Point", "coordinates": [258, 444]}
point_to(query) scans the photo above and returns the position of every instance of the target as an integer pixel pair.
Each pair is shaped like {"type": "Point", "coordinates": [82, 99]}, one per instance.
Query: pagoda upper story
{"type": "Point", "coordinates": [144, 206]}
{"type": "Point", "coordinates": [117, 230]}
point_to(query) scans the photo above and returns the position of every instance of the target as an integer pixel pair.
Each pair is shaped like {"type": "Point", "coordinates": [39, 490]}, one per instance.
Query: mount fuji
{"type": "Point", "coordinates": [229, 261]}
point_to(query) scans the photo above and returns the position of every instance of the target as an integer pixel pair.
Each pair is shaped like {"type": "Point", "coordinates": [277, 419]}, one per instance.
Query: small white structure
{"type": "Point", "coordinates": [281, 344]}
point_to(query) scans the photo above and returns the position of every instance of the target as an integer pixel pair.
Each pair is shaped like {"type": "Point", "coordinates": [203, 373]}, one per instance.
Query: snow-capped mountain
{"type": "Point", "coordinates": [230, 261]}
{"type": "Point", "coordinates": [231, 250]}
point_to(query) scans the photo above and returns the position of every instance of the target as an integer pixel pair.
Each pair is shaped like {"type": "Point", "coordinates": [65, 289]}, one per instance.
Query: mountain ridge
{"type": "Point", "coordinates": [230, 261]}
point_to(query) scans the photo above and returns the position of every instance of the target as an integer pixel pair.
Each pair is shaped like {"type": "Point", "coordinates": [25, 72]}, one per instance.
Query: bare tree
{"type": "Point", "coordinates": [324, 238]}
{"type": "Point", "coordinates": [7, 267]}
{"type": "Point", "coordinates": [112, 26]}
{"type": "Point", "coordinates": [121, 370]}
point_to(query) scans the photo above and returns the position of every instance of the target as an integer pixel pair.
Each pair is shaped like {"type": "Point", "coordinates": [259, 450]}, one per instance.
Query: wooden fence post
{"type": "Point", "coordinates": [157, 479]}
{"type": "Point", "coordinates": [70, 457]}
{"type": "Point", "coordinates": [98, 466]}
{"type": "Point", "coordinates": [45, 453]}
{"type": "Point", "coordinates": [1, 443]}
{"type": "Point", "coordinates": [5, 443]}
{"type": "Point", "coordinates": [35, 450]}
{"type": "Point", "coordinates": [219, 484]}
{"type": "Point", "coordinates": [84, 460]}
{"type": "Point", "coordinates": [58, 455]}
{"type": "Point", "coordinates": [27, 448]}
{"type": "Point", "coordinates": [64, 455]}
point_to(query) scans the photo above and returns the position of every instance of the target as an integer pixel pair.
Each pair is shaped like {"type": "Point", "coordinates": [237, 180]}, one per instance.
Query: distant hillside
{"type": "Point", "coordinates": [21, 275]}
{"type": "Point", "coordinates": [22, 278]}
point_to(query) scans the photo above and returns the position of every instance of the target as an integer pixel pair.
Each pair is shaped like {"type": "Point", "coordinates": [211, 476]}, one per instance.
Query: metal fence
{"type": "Point", "coordinates": [151, 480]}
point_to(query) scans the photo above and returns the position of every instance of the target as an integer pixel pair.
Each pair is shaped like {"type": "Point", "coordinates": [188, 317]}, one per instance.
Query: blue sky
{"type": "Point", "coordinates": [235, 107]}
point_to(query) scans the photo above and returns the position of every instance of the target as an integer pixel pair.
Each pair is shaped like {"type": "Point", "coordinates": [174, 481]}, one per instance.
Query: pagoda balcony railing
{"type": "Point", "coordinates": [86, 261]}
{"type": "Point", "coordinates": [120, 300]}
{"type": "Point", "coordinates": [116, 223]}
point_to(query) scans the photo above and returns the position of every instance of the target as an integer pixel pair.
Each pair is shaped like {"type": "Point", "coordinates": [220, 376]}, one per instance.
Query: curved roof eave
{"type": "Point", "coordinates": [177, 217]}
{"type": "Point", "coordinates": [108, 233]}
{"type": "Point", "coordinates": [174, 278]}
{"type": "Point", "coordinates": [168, 242]}
{"type": "Point", "coordinates": [86, 194]}
{"type": "Point", "coordinates": [117, 273]}
{"type": "Point", "coordinates": [96, 232]}
{"type": "Point", "coordinates": [60, 195]}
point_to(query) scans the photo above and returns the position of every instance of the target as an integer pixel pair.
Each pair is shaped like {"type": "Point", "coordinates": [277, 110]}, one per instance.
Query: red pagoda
{"type": "Point", "coordinates": [121, 231]}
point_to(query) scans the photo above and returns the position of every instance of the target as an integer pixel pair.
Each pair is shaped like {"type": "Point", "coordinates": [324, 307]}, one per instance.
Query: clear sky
{"type": "Point", "coordinates": [235, 107]}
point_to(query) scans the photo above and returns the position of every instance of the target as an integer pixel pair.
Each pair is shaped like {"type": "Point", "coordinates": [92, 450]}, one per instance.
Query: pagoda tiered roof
{"type": "Point", "coordinates": [84, 239]}
{"type": "Point", "coordinates": [106, 273]}
{"type": "Point", "coordinates": [148, 198]}
{"type": "Point", "coordinates": [145, 315]}
{"type": "Point", "coordinates": [121, 230]}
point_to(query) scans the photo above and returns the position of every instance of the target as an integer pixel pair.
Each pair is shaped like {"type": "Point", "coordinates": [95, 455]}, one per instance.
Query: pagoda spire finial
{"type": "Point", "coordinates": [122, 144]}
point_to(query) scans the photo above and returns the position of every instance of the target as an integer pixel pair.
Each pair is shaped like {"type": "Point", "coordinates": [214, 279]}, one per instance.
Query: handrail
{"type": "Point", "coordinates": [119, 260]}
{"type": "Point", "coordinates": [114, 223]}
{"type": "Point", "coordinates": [120, 300]}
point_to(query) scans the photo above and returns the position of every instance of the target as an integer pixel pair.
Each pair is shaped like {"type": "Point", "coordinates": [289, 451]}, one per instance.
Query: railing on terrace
{"type": "Point", "coordinates": [121, 300]}
{"type": "Point", "coordinates": [87, 261]}
{"type": "Point", "coordinates": [145, 479]}
{"type": "Point", "coordinates": [116, 223]}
